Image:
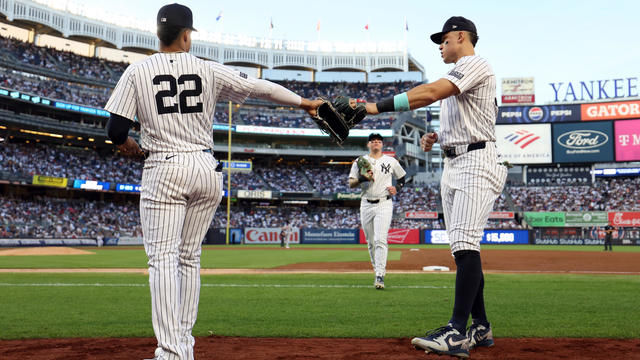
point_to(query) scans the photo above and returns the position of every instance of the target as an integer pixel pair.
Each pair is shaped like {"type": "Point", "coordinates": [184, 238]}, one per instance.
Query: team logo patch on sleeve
{"type": "Point", "coordinates": [243, 75]}
{"type": "Point", "coordinates": [456, 74]}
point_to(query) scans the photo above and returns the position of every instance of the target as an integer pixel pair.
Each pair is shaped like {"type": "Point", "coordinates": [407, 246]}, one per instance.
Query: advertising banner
{"type": "Point", "coordinates": [330, 236]}
{"type": "Point", "coordinates": [501, 215]}
{"type": "Point", "coordinates": [524, 144]}
{"type": "Point", "coordinates": [418, 214]}
{"type": "Point", "coordinates": [625, 218]}
{"type": "Point", "coordinates": [546, 219]}
{"type": "Point", "coordinates": [90, 185]}
{"type": "Point", "coordinates": [50, 181]}
{"type": "Point", "coordinates": [627, 140]}
{"type": "Point", "coordinates": [589, 218]}
{"type": "Point", "coordinates": [610, 110]}
{"type": "Point", "coordinates": [537, 114]}
{"type": "Point", "coordinates": [518, 90]}
{"type": "Point", "coordinates": [128, 187]}
{"type": "Point", "coordinates": [348, 196]}
{"type": "Point", "coordinates": [255, 194]}
{"type": "Point", "coordinates": [398, 236]}
{"type": "Point", "coordinates": [489, 237]}
{"type": "Point", "coordinates": [268, 236]}
{"type": "Point", "coordinates": [583, 142]}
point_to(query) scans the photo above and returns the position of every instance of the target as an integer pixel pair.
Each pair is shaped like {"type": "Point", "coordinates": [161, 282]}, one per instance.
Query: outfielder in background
{"type": "Point", "coordinates": [608, 237]}
{"type": "Point", "coordinates": [472, 178]}
{"type": "Point", "coordinates": [373, 173]}
{"type": "Point", "coordinates": [173, 95]}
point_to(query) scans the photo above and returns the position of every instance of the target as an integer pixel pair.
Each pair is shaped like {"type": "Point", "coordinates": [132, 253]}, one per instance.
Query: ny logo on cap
{"type": "Point", "coordinates": [454, 26]}
{"type": "Point", "coordinates": [163, 20]}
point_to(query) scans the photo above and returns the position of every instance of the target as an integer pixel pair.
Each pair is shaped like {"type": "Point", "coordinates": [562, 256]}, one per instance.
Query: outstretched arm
{"type": "Point", "coordinates": [268, 90]}
{"type": "Point", "coordinates": [419, 96]}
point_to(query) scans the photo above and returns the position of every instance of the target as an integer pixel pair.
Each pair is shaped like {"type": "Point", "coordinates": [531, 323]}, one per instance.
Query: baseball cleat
{"type": "Point", "coordinates": [479, 335]}
{"type": "Point", "coordinates": [379, 283]}
{"type": "Point", "coordinates": [443, 341]}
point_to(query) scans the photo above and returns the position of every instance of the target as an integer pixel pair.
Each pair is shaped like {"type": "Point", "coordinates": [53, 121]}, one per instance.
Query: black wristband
{"type": "Point", "coordinates": [386, 105]}
{"type": "Point", "coordinates": [362, 178]}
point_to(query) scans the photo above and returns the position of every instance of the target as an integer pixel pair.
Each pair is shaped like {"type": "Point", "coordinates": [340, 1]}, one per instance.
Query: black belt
{"type": "Point", "coordinates": [377, 201]}
{"type": "Point", "coordinates": [451, 152]}
{"type": "Point", "coordinates": [146, 153]}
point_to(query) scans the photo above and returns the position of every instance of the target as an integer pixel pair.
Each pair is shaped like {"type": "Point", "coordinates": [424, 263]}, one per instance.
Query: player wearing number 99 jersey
{"type": "Point", "coordinates": [173, 95]}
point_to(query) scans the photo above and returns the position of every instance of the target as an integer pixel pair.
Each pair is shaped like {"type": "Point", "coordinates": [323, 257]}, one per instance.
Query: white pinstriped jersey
{"type": "Point", "coordinates": [174, 97]}
{"type": "Point", "coordinates": [470, 116]}
{"type": "Point", "coordinates": [383, 168]}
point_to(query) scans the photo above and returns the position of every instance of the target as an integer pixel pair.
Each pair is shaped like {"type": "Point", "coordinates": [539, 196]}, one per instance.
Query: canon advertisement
{"type": "Point", "coordinates": [627, 138]}
{"type": "Point", "coordinates": [537, 114]}
{"type": "Point", "coordinates": [268, 236]}
{"type": "Point", "coordinates": [489, 237]}
{"type": "Point", "coordinates": [525, 143]}
{"type": "Point", "coordinates": [583, 142]}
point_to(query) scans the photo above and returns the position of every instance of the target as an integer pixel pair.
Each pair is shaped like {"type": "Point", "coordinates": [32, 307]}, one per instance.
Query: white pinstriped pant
{"type": "Point", "coordinates": [179, 197]}
{"type": "Point", "coordinates": [469, 187]}
{"type": "Point", "coordinates": [376, 220]}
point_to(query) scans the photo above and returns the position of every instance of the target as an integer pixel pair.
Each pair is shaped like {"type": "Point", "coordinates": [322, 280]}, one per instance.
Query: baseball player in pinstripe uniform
{"type": "Point", "coordinates": [173, 95]}
{"type": "Point", "coordinates": [472, 177]}
{"type": "Point", "coordinates": [376, 206]}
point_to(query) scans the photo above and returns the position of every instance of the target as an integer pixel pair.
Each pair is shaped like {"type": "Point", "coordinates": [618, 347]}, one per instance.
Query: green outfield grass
{"type": "Point", "coordinates": [246, 257]}
{"type": "Point", "coordinates": [320, 305]}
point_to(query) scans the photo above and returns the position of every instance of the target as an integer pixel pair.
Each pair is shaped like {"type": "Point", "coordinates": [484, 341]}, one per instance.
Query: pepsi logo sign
{"type": "Point", "coordinates": [536, 113]}
{"type": "Point", "coordinates": [583, 139]}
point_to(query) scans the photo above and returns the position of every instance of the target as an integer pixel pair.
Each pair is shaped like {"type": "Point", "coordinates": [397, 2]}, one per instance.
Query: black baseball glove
{"type": "Point", "coordinates": [337, 117]}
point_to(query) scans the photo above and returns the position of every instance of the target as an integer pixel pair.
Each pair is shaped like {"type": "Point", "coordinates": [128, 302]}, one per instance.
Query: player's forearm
{"type": "Point", "coordinates": [353, 183]}
{"type": "Point", "coordinates": [419, 96]}
{"type": "Point", "coordinates": [267, 90]}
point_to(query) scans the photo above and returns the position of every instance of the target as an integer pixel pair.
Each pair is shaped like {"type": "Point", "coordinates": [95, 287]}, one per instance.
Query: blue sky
{"type": "Point", "coordinates": [552, 41]}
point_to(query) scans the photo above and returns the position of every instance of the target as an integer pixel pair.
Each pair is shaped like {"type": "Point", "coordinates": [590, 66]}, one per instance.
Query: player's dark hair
{"type": "Point", "coordinates": [169, 33]}
{"type": "Point", "coordinates": [473, 38]}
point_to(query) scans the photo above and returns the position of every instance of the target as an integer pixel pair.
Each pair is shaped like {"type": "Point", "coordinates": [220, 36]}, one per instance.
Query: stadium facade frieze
{"type": "Point", "coordinates": [224, 48]}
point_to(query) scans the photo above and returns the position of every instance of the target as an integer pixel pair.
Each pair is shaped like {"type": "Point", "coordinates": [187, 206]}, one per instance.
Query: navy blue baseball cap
{"type": "Point", "coordinates": [375, 136]}
{"type": "Point", "coordinates": [455, 23]}
{"type": "Point", "coordinates": [175, 15]}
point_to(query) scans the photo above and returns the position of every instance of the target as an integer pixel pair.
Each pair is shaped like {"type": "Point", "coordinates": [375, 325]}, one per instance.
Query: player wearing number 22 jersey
{"type": "Point", "coordinates": [173, 95]}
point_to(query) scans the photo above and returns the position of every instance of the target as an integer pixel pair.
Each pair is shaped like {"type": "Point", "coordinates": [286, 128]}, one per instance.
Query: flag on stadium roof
{"type": "Point", "coordinates": [271, 24]}
{"type": "Point", "coordinates": [219, 16]}
{"type": "Point", "coordinates": [366, 27]}
{"type": "Point", "coordinates": [318, 26]}
{"type": "Point", "coordinates": [406, 24]}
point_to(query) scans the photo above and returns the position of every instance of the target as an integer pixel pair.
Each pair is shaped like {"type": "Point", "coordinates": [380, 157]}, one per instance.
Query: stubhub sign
{"type": "Point", "coordinates": [489, 237]}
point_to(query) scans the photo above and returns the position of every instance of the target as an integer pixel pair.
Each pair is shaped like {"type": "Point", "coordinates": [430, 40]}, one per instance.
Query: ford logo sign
{"type": "Point", "coordinates": [536, 113]}
{"type": "Point", "coordinates": [583, 139]}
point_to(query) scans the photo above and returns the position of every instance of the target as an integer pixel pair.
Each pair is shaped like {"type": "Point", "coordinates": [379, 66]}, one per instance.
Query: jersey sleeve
{"type": "Point", "coordinates": [354, 170]}
{"type": "Point", "coordinates": [469, 72]}
{"type": "Point", "coordinates": [123, 100]}
{"type": "Point", "coordinates": [398, 171]}
{"type": "Point", "coordinates": [231, 85]}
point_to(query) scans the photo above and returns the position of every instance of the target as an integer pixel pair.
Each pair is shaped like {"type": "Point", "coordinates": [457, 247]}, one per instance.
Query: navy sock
{"type": "Point", "coordinates": [478, 313]}
{"type": "Point", "coordinates": [468, 279]}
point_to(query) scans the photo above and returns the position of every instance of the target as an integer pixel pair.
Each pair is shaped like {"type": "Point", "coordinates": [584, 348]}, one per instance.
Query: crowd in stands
{"type": "Point", "coordinates": [26, 160]}
{"type": "Point", "coordinates": [605, 194]}
{"type": "Point", "coordinates": [95, 68]}
{"type": "Point", "coordinates": [54, 89]}
{"type": "Point", "coordinates": [42, 217]}
{"type": "Point", "coordinates": [62, 61]}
